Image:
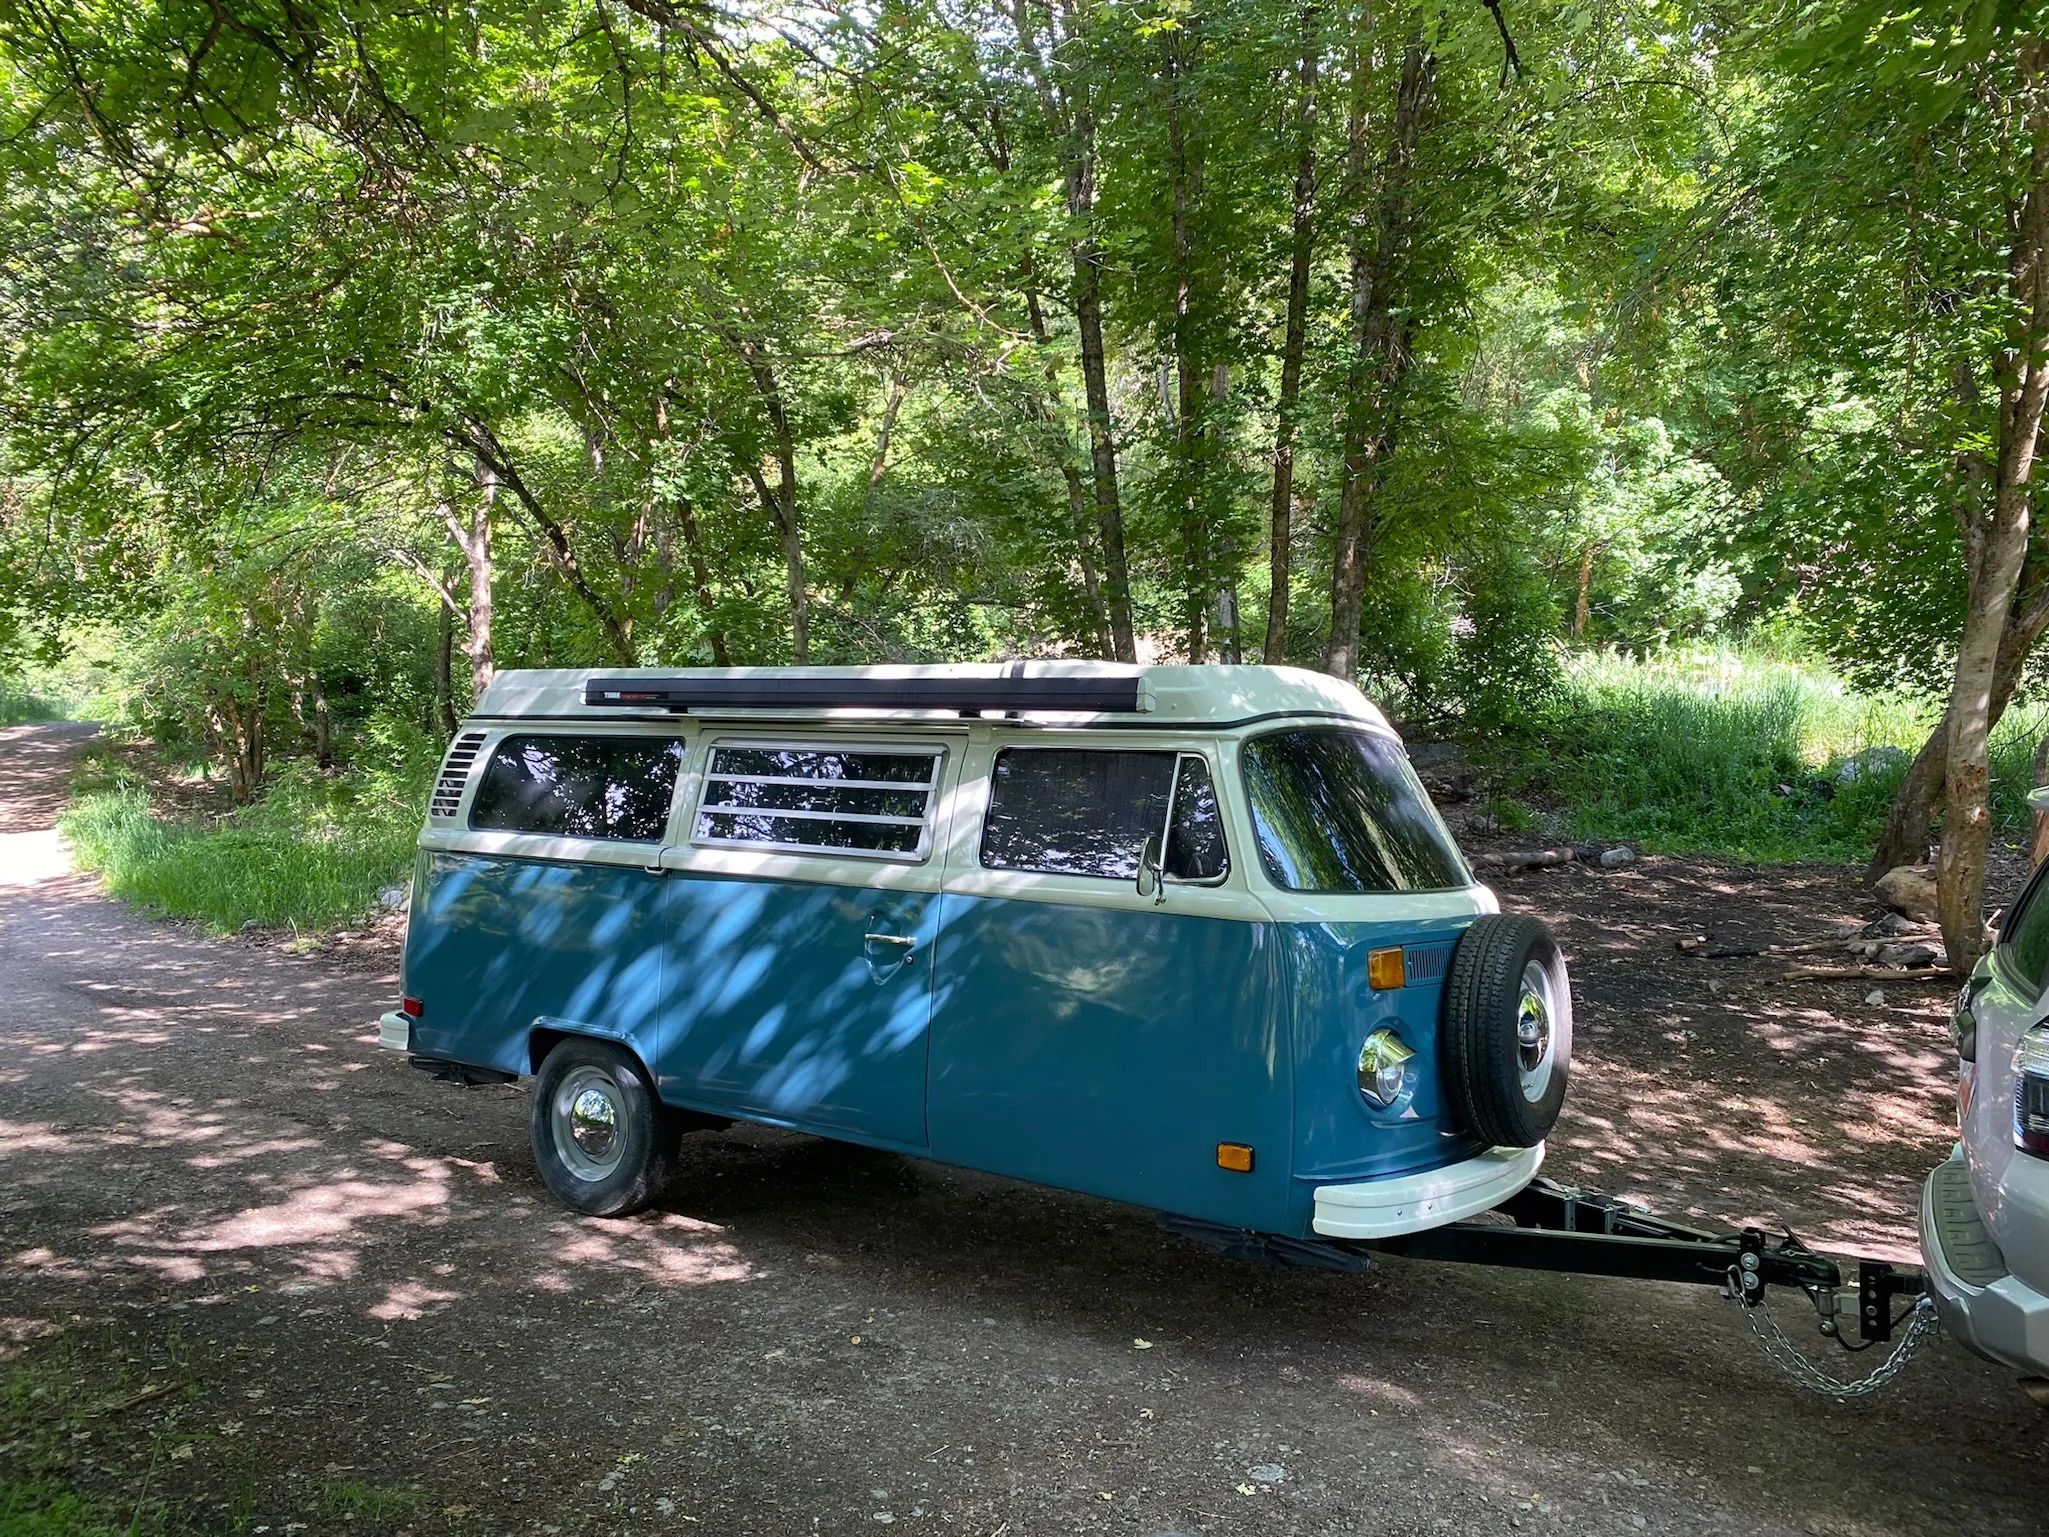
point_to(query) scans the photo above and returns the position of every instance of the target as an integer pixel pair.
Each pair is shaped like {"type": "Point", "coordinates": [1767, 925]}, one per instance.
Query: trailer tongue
{"type": "Point", "coordinates": [1581, 1233]}
{"type": "Point", "coordinates": [1577, 1232]}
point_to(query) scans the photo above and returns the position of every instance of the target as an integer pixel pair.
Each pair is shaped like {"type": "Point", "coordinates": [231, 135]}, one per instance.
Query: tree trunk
{"type": "Point", "coordinates": [555, 542]}
{"type": "Point", "coordinates": [1088, 314]}
{"type": "Point", "coordinates": [780, 502]}
{"type": "Point", "coordinates": [444, 669]}
{"type": "Point", "coordinates": [1077, 493]}
{"type": "Point", "coordinates": [1583, 591]}
{"type": "Point", "coordinates": [1180, 48]}
{"type": "Point", "coordinates": [1996, 547]}
{"type": "Point", "coordinates": [1086, 256]}
{"type": "Point", "coordinates": [1301, 253]}
{"type": "Point", "coordinates": [1379, 352]}
{"type": "Point", "coordinates": [473, 539]}
{"type": "Point", "coordinates": [700, 581]}
{"type": "Point", "coordinates": [1910, 824]}
{"type": "Point", "coordinates": [1071, 116]}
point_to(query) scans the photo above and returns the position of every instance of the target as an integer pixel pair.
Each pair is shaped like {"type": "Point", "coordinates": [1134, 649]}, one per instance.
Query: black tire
{"type": "Point", "coordinates": [1506, 1090]}
{"type": "Point", "coordinates": [601, 1167]}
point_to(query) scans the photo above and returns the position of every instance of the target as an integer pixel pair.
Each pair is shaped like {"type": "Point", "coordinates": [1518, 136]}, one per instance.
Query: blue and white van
{"type": "Point", "coordinates": [1188, 937]}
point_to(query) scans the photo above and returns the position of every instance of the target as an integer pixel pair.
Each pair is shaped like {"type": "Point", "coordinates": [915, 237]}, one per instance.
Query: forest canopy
{"type": "Point", "coordinates": [353, 350]}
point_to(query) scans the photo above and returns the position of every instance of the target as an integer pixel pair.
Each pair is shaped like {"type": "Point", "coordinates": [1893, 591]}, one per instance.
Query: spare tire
{"type": "Point", "coordinates": [1507, 1034]}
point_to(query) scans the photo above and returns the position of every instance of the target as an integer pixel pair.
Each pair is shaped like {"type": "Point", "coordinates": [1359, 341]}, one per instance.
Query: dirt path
{"type": "Point", "coordinates": [212, 1181]}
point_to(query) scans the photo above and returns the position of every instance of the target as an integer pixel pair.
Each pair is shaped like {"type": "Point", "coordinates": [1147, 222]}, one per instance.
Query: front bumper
{"type": "Point", "coordinates": [395, 1031]}
{"type": "Point", "coordinates": [1410, 1203]}
{"type": "Point", "coordinates": [1980, 1302]}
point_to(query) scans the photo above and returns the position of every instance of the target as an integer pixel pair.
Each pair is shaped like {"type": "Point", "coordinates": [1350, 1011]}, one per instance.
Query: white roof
{"type": "Point", "coordinates": [1206, 695]}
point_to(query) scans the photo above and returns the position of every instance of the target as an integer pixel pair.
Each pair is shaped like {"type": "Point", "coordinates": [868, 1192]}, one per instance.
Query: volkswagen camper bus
{"type": "Point", "coordinates": [1191, 938]}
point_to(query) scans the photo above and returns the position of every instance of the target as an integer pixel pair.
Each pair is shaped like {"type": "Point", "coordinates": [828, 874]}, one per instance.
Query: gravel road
{"type": "Point", "coordinates": [210, 1176]}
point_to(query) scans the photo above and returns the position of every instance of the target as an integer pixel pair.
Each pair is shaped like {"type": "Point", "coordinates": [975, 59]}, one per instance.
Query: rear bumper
{"type": "Point", "coordinates": [1410, 1203]}
{"type": "Point", "coordinates": [1986, 1307]}
{"type": "Point", "coordinates": [395, 1031]}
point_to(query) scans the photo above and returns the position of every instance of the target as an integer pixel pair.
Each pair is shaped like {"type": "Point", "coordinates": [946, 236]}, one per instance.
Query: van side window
{"type": "Point", "coordinates": [1088, 811]}
{"type": "Point", "coordinates": [817, 799]}
{"type": "Point", "coordinates": [560, 786]}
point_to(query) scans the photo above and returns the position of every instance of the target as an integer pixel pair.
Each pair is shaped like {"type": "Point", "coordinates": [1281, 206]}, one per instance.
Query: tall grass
{"type": "Point", "coordinates": [1721, 752]}
{"type": "Point", "coordinates": [311, 854]}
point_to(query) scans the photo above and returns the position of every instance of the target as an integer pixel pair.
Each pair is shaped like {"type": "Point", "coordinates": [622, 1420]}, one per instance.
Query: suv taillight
{"type": "Point", "coordinates": [2031, 1092]}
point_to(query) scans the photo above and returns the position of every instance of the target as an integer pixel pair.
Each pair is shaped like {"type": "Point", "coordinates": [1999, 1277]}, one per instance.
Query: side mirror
{"type": "Point", "coordinates": [1149, 882]}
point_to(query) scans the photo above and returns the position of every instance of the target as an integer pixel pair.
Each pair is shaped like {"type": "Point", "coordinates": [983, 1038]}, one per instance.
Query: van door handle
{"type": "Point", "coordinates": [902, 941]}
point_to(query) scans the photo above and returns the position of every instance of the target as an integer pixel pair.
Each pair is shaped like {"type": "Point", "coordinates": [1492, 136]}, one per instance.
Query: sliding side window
{"type": "Point", "coordinates": [870, 802]}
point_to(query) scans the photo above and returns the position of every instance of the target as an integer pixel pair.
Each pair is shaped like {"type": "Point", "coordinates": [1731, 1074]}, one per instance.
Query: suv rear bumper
{"type": "Point", "coordinates": [1982, 1303]}
{"type": "Point", "coordinates": [1410, 1203]}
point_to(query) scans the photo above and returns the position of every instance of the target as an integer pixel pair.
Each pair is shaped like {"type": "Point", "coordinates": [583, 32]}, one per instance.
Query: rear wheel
{"type": "Point", "coordinates": [604, 1143]}
{"type": "Point", "coordinates": [1508, 1030]}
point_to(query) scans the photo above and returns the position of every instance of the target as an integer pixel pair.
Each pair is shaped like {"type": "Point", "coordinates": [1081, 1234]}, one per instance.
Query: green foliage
{"type": "Point", "coordinates": [311, 854]}
{"type": "Point", "coordinates": [1734, 754]}
{"type": "Point", "coordinates": [344, 337]}
{"type": "Point", "coordinates": [19, 703]}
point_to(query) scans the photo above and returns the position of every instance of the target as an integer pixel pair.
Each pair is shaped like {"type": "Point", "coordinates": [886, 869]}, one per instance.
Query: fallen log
{"type": "Point", "coordinates": [1866, 973]}
{"type": "Point", "coordinates": [1840, 942]}
{"type": "Point", "coordinates": [1511, 860]}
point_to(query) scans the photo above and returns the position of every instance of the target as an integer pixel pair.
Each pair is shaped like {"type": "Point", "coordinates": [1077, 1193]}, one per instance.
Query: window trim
{"type": "Point", "coordinates": [1180, 754]}
{"type": "Point", "coordinates": [707, 777]}
{"type": "Point", "coordinates": [567, 846]}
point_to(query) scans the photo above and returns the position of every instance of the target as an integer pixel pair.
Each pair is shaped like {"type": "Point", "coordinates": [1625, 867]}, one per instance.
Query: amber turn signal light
{"type": "Point", "coordinates": [1235, 1156]}
{"type": "Point", "coordinates": [1384, 969]}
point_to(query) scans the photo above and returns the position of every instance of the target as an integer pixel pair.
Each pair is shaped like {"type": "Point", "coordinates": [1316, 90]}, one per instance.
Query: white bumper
{"type": "Point", "coordinates": [395, 1031]}
{"type": "Point", "coordinates": [1409, 1203]}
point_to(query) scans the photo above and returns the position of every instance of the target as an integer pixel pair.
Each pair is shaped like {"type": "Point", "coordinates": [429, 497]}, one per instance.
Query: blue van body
{"type": "Point", "coordinates": [1092, 1040]}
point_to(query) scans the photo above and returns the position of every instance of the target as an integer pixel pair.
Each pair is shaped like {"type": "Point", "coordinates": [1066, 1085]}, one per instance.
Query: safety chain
{"type": "Point", "coordinates": [1781, 1352]}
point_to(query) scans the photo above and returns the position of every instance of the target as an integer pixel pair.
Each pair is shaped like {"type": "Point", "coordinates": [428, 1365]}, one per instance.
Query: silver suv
{"type": "Point", "coordinates": [1985, 1213]}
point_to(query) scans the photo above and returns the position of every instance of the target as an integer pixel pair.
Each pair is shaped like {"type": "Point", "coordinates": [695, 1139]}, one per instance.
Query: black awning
{"type": "Point", "coordinates": [1113, 694]}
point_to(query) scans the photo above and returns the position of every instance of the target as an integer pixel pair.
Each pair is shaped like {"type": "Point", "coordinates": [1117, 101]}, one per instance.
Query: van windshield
{"type": "Point", "coordinates": [1339, 810]}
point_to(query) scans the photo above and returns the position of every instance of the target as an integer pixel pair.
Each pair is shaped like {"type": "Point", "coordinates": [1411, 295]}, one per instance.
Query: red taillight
{"type": "Point", "coordinates": [410, 1007]}
{"type": "Point", "coordinates": [2031, 1093]}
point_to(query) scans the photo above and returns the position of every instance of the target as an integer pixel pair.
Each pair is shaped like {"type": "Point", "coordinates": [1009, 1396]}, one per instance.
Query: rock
{"type": "Point", "coordinates": [1890, 926]}
{"type": "Point", "coordinates": [1907, 955]}
{"type": "Point", "coordinates": [1267, 1473]}
{"type": "Point", "coordinates": [391, 898]}
{"type": "Point", "coordinates": [1617, 857]}
{"type": "Point", "coordinates": [1875, 997]}
{"type": "Point", "coordinates": [1909, 889]}
{"type": "Point", "coordinates": [1882, 759]}
{"type": "Point", "coordinates": [249, 926]}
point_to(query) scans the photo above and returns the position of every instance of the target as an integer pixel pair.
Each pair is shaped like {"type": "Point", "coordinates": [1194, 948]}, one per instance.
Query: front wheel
{"type": "Point", "coordinates": [603, 1142]}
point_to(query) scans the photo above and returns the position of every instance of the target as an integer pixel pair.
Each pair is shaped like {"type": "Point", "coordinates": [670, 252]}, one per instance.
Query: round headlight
{"type": "Point", "coordinates": [1384, 1068]}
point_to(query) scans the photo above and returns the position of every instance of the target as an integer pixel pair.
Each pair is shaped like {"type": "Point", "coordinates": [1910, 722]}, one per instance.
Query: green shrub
{"type": "Point", "coordinates": [311, 854]}
{"type": "Point", "coordinates": [19, 704]}
{"type": "Point", "coordinates": [1728, 753]}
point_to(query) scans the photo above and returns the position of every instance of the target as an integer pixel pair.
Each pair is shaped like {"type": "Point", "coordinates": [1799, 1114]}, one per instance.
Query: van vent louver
{"type": "Point", "coordinates": [455, 772]}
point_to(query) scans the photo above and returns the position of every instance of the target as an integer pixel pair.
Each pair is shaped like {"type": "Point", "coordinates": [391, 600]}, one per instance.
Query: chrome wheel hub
{"type": "Point", "coordinates": [1536, 1047]}
{"type": "Point", "coordinates": [590, 1119]}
